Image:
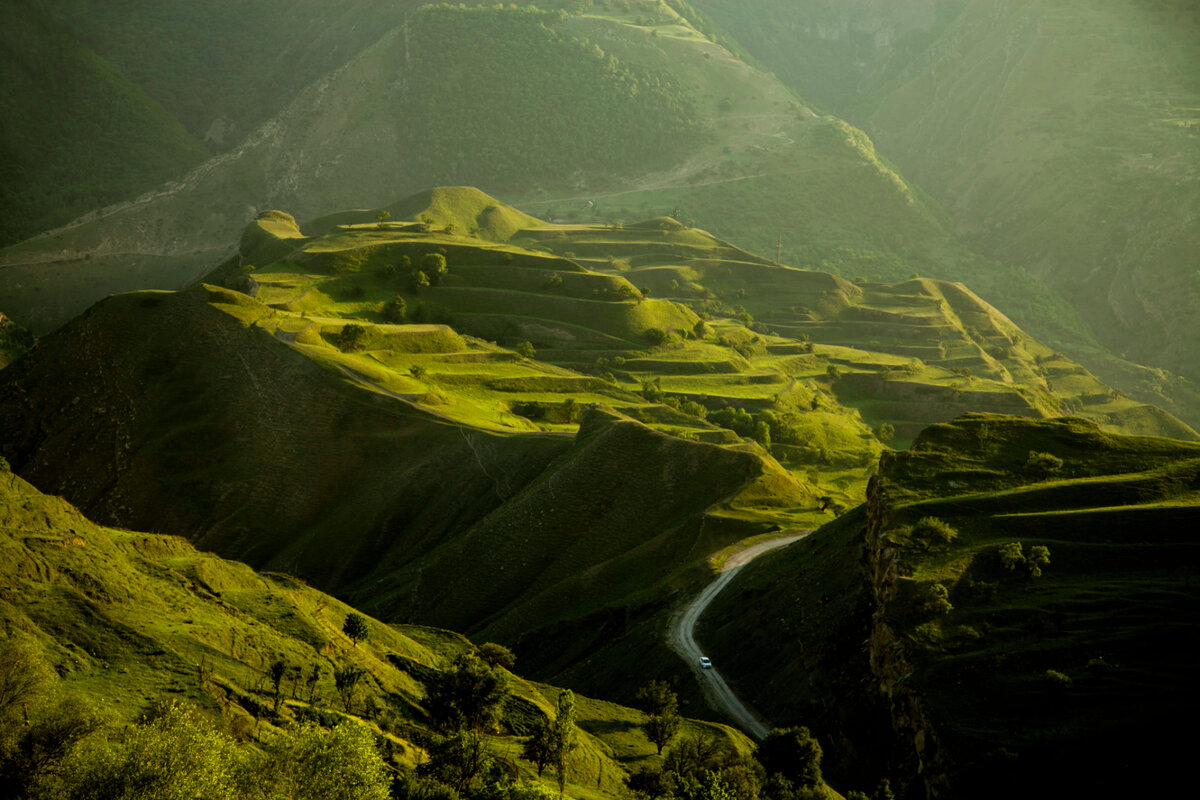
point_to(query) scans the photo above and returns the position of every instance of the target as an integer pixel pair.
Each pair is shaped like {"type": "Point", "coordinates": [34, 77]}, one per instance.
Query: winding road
{"type": "Point", "coordinates": [682, 640]}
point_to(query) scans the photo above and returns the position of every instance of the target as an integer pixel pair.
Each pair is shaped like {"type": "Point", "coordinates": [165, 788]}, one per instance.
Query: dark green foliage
{"type": "Point", "coordinates": [417, 280]}
{"type": "Point", "coordinates": [497, 655]}
{"type": "Point", "coordinates": [562, 736]}
{"type": "Point", "coordinates": [352, 337]}
{"type": "Point", "coordinates": [355, 627]}
{"type": "Point", "coordinates": [737, 420]}
{"type": "Point", "coordinates": [661, 706]}
{"type": "Point", "coordinates": [762, 433]}
{"type": "Point", "coordinates": [434, 267]}
{"type": "Point", "coordinates": [417, 371]}
{"type": "Point", "coordinates": [539, 748]}
{"type": "Point", "coordinates": [526, 350]}
{"type": "Point", "coordinates": [885, 432]}
{"type": "Point", "coordinates": [1012, 555]}
{"type": "Point", "coordinates": [468, 696]}
{"type": "Point", "coordinates": [395, 310]}
{"type": "Point", "coordinates": [5, 467]}
{"type": "Point", "coordinates": [345, 680]}
{"type": "Point", "coordinates": [276, 672]}
{"type": "Point", "coordinates": [654, 336]}
{"type": "Point", "coordinates": [793, 753]}
{"type": "Point", "coordinates": [932, 533]}
{"type": "Point", "coordinates": [1040, 466]}
{"type": "Point", "coordinates": [937, 600]}
{"type": "Point", "coordinates": [456, 760]}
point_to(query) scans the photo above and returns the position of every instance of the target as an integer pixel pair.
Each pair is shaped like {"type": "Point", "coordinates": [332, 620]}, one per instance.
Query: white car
{"type": "Point", "coordinates": [705, 662]}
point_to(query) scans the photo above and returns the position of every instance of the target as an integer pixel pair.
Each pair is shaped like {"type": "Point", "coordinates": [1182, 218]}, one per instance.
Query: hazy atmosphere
{"type": "Point", "coordinates": [603, 399]}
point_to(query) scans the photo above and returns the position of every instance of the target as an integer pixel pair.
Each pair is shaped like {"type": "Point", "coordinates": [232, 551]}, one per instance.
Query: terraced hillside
{"type": "Point", "coordinates": [1025, 588]}
{"type": "Point", "coordinates": [1060, 136]}
{"type": "Point", "coordinates": [121, 621]}
{"type": "Point", "coordinates": [406, 389]}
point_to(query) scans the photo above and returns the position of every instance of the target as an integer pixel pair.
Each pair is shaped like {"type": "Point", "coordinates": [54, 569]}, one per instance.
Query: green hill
{"type": "Point", "coordinates": [372, 428]}
{"type": "Point", "coordinates": [1055, 640]}
{"type": "Point", "coordinates": [125, 620]}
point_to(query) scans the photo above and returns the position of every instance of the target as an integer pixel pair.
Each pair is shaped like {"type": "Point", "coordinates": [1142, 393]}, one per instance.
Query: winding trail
{"type": "Point", "coordinates": [682, 640]}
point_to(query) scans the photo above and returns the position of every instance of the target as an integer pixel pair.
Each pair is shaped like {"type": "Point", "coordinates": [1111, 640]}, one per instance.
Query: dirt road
{"type": "Point", "coordinates": [682, 639]}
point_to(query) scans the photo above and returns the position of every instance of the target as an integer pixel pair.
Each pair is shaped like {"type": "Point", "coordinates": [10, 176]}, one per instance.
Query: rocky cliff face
{"type": "Point", "coordinates": [889, 666]}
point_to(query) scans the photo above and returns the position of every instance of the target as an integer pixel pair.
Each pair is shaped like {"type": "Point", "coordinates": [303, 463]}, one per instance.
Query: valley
{"type": "Point", "coordinates": [638, 399]}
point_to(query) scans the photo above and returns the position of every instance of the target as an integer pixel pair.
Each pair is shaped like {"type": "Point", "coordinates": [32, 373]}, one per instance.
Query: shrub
{"type": "Point", "coordinates": [932, 532]}
{"type": "Point", "coordinates": [526, 349]}
{"type": "Point", "coordinates": [395, 310]}
{"type": "Point", "coordinates": [655, 336]}
{"type": "Point", "coordinates": [1040, 466]}
{"type": "Point", "coordinates": [351, 337]}
{"type": "Point", "coordinates": [937, 599]}
{"type": "Point", "coordinates": [1012, 555]}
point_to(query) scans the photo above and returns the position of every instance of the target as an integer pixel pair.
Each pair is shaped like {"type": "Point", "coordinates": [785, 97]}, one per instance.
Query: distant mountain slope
{"type": "Point", "coordinates": [715, 140]}
{"type": "Point", "coordinates": [1060, 136]}
{"type": "Point", "coordinates": [77, 133]}
{"type": "Point", "coordinates": [998, 676]}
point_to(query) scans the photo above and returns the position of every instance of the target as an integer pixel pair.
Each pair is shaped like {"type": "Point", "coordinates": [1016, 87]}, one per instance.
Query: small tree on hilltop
{"type": "Point", "coordinates": [885, 432]}
{"type": "Point", "coordinates": [382, 216]}
{"type": "Point", "coordinates": [355, 627]}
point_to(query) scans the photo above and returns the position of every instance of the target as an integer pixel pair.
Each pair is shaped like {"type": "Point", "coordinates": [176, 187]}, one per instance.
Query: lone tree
{"type": "Point", "coordinates": [497, 655]}
{"type": "Point", "coordinates": [351, 337]}
{"type": "Point", "coordinates": [355, 627]}
{"type": "Point", "coordinates": [277, 671]}
{"type": "Point", "coordinates": [539, 747]}
{"type": "Point", "coordinates": [932, 532]}
{"type": "Point", "coordinates": [563, 736]}
{"type": "Point", "coordinates": [382, 216]}
{"type": "Point", "coordinates": [885, 432]}
{"type": "Point", "coordinates": [661, 706]}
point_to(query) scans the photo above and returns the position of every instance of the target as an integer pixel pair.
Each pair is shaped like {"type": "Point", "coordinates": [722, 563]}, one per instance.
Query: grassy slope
{"type": "Point", "coordinates": [1110, 612]}
{"type": "Point", "coordinates": [126, 618]}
